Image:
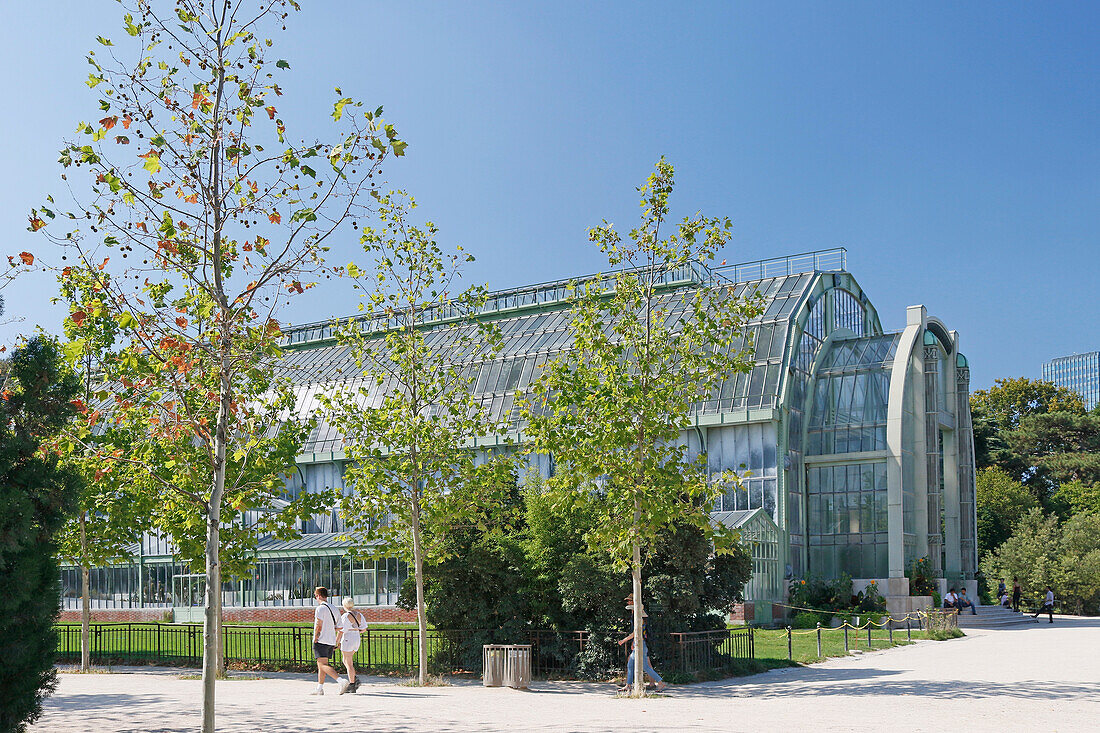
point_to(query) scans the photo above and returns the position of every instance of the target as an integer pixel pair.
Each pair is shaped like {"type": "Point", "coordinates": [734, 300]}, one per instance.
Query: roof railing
{"type": "Point", "coordinates": [557, 291]}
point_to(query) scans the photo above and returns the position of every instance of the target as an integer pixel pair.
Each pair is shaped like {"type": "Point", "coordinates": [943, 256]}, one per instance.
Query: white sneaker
{"type": "Point", "coordinates": [319, 690]}
{"type": "Point", "coordinates": [343, 685]}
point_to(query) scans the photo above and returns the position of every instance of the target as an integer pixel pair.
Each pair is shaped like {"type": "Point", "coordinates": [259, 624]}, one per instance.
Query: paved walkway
{"type": "Point", "coordinates": [1043, 678]}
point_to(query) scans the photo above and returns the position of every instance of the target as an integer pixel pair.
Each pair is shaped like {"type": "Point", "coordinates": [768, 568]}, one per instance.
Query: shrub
{"type": "Point", "coordinates": [806, 620]}
{"type": "Point", "coordinates": [921, 582]}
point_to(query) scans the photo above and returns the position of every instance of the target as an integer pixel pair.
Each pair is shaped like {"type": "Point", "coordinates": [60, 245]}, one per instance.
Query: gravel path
{"type": "Point", "coordinates": [1036, 678]}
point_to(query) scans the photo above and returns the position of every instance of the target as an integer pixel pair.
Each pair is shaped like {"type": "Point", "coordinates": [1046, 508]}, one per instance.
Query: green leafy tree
{"type": "Point", "coordinates": [1032, 553]}
{"type": "Point", "coordinates": [1059, 447]}
{"type": "Point", "coordinates": [36, 494]}
{"type": "Point", "coordinates": [114, 506]}
{"type": "Point", "coordinates": [1079, 584]}
{"type": "Point", "coordinates": [1076, 497]}
{"type": "Point", "coordinates": [476, 576]}
{"type": "Point", "coordinates": [208, 220]}
{"type": "Point", "coordinates": [409, 422]}
{"type": "Point", "coordinates": [1001, 502]}
{"type": "Point", "coordinates": [998, 411]}
{"type": "Point", "coordinates": [611, 409]}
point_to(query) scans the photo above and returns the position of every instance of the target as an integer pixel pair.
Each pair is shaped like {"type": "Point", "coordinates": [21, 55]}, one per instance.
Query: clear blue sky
{"type": "Point", "coordinates": [955, 151]}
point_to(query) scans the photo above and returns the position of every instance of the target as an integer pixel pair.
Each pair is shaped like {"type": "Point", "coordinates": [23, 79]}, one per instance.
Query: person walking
{"type": "Point", "coordinates": [348, 637]}
{"type": "Point", "coordinates": [1047, 607]}
{"type": "Point", "coordinates": [647, 666]}
{"type": "Point", "coordinates": [324, 640]}
{"type": "Point", "coordinates": [1017, 591]}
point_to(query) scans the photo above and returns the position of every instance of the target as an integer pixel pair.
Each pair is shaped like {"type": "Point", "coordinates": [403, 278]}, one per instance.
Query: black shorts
{"type": "Point", "coordinates": [323, 651]}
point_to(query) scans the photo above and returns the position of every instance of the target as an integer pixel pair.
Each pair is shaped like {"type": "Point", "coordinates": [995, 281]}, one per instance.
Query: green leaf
{"type": "Point", "coordinates": [399, 147]}
{"type": "Point", "coordinates": [152, 163]}
{"type": "Point", "coordinates": [282, 64]}
{"type": "Point", "coordinates": [338, 108]}
{"type": "Point", "coordinates": [104, 41]}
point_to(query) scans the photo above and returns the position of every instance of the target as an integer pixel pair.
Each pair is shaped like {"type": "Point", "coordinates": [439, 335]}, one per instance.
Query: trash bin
{"type": "Point", "coordinates": [492, 665]}
{"type": "Point", "coordinates": [517, 666]}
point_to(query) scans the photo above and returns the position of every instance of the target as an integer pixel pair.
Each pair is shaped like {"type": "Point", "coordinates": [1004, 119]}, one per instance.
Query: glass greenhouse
{"type": "Point", "coordinates": [855, 444]}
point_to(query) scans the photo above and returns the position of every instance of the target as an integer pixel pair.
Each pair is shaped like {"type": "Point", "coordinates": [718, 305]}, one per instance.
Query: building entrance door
{"type": "Point", "coordinates": [188, 592]}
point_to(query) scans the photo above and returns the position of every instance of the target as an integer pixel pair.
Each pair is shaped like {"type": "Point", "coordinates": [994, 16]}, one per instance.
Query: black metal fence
{"type": "Point", "coordinates": [386, 650]}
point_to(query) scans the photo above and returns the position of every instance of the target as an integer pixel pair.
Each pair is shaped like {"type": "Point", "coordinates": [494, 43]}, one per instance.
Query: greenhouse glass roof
{"type": "Point", "coordinates": [535, 325]}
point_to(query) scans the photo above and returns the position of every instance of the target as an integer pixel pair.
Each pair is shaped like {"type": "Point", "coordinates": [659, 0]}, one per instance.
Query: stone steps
{"type": "Point", "coordinates": [994, 617]}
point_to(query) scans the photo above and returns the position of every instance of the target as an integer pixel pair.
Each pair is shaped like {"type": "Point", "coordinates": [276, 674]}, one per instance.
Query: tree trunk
{"type": "Point", "coordinates": [85, 603]}
{"type": "Point", "coordinates": [211, 646]}
{"type": "Point", "coordinates": [639, 619]}
{"type": "Point", "coordinates": [421, 615]}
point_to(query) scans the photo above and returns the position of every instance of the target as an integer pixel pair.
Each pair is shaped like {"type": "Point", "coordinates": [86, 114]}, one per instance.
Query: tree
{"type": "Point", "coordinates": [1076, 497]}
{"type": "Point", "coordinates": [1059, 446]}
{"type": "Point", "coordinates": [611, 410]}
{"type": "Point", "coordinates": [208, 221]}
{"type": "Point", "coordinates": [1002, 501]}
{"type": "Point", "coordinates": [1032, 553]}
{"type": "Point", "coordinates": [409, 422]}
{"type": "Point", "coordinates": [1079, 583]}
{"type": "Point", "coordinates": [112, 508]}
{"type": "Point", "coordinates": [1041, 552]}
{"type": "Point", "coordinates": [998, 411]}
{"type": "Point", "coordinates": [36, 494]}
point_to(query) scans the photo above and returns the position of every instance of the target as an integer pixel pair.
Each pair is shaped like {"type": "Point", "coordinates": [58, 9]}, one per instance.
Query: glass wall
{"type": "Point", "coordinates": [272, 582]}
{"type": "Point", "coordinates": [749, 451]}
{"type": "Point", "coordinates": [848, 519]}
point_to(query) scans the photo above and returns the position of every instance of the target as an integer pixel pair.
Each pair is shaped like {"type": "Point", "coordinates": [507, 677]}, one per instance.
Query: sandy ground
{"type": "Point", "coordinates": [1044, 678]}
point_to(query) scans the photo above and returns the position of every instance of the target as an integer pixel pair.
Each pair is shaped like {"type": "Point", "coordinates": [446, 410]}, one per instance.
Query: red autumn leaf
{"type": "Point", "coordinates": [192, 199]}
{"type": "Point", "coordinates": [126, 122]}
{"type": "Point", "coordinates": [181, 322]}
{"type": "Point", "coordinates": [27, 257]}
{"type": "Point", "coordinates": [78, 317]}
{"type": "Point", "coordinates": [270, 112]}
{"type": "Point", "coordinates": [6, 395]}
{"type": "Point", "coordinates": [275, 217]}
{"type": "Point", "coordinates": [141, 225]}
{"type": "Point", "coordinates": [247, 246]}
{"type": "Point", "coordinates": [109, 122]}
{"type": "Point", "coordinates": [36, 223]}
{"type": "Point", "coordinates": [198, 99]}
{"type": "Point", "coordinates": [295, 287]}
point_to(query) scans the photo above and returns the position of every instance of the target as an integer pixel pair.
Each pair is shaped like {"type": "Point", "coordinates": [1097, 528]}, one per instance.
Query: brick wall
{"type": "Point", "coordinates": [743, 613]}
{"type": "Point", "coordinates": [301, 614]}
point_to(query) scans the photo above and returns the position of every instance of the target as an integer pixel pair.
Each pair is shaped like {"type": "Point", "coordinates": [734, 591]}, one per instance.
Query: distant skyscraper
{"type": "Point", "coordinates": [1080, 372]}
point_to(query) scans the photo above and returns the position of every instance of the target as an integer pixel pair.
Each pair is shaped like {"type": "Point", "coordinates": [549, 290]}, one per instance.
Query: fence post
{"type": "Point", "coordinates": [259, 644]}
{"type": "Point", "coordinates": [845, 636]}
{"type": "Point", "coordinates": [908, 629]}
{"type": "Point", "coordinates": [819, 640]}
{"type": "Point", "coordinates": [868, 634]}
{"type": "Point", "coordinates": [752, 644]}
{"type": "Point", "coordinates": [789, 645]}
{"type": "Point", "coordinates": [890, 630]}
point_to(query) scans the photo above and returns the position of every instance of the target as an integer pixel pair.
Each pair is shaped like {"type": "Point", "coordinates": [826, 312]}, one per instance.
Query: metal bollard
{"type": "Point", "coordinates": [908, 629]}
{"type": "Point", "coordinates": [845, 636]}
{"type": "Point", "coordinates": [819, 640]}
{"type": "Point", "coordinates": [868, 635]}
{"type": "Point", "coordinates": [890, 630]}
{"type": "Point", "coordinates": [790, 654]}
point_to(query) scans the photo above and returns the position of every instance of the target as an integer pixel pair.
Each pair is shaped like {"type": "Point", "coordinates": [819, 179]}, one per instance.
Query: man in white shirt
{"type": "Point", "coordinates": [950, 600]}
{"type": "Point", "coordinates": [324, 640]}
{"type": "Point", "coordinates": [1048, 605]}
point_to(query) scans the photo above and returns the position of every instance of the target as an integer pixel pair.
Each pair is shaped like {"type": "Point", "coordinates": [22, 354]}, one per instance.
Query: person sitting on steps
{"type": "Point", "coordinates": [964, 601]}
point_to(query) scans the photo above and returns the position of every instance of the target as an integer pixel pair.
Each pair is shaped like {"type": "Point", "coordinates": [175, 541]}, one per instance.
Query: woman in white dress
{"type": "Point", "coordinates": [352, 623]}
